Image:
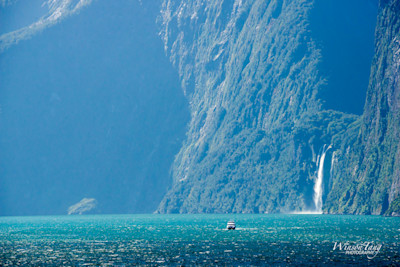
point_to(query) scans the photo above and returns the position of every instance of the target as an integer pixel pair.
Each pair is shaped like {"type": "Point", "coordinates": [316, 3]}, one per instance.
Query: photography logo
{"type": "Point", "coordinates": [370, 249]}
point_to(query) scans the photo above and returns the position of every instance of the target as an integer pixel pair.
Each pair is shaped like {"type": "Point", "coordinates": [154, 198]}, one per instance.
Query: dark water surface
{"type": "Point", "coordinates": [198, 240]}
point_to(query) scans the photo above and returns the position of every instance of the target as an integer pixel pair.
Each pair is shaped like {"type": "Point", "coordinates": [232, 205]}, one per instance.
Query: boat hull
{"type": "Point", "coordinates": [231, 225]}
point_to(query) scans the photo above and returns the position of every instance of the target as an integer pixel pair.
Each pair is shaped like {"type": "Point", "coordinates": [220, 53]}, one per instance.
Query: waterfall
{"type": "Point", "coordinates": [318, 183]}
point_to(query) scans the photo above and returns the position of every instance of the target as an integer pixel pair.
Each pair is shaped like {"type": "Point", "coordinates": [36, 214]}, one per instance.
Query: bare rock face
{"type": "Point", "coordinates": [86, 205]}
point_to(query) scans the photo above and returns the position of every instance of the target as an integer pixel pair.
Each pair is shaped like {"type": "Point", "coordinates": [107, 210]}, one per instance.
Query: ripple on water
{"type": "Point", "coordinates": [128, 240]}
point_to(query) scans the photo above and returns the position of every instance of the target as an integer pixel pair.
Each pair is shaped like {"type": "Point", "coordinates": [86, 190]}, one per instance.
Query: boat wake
{"type": "Point", "coordinates": [238, 229]}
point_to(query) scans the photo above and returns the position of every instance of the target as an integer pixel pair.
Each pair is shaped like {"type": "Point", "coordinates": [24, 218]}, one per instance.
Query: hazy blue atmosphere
{"type": "Point", "coordinates": [92, 103]}
{"type": "Point", "coordinates": [199, 132]}
{"type": "Point", "coordinates": [346, 39]}
{"type": "Point", "coordinates": [90, 107]}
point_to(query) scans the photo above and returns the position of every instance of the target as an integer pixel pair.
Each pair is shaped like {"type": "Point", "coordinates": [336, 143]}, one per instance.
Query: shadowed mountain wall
{"type": "Point", "coordinates": [368, 173]}
{"type": "Point", "coordinates": [258, 87]}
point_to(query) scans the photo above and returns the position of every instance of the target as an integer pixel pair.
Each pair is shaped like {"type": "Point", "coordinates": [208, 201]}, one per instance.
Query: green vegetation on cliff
{"type": "Point", "coordinates": [251, 71]}
{"type": "Point", "coordinates": [237, 61]}
{"type": "Point", "coordinates": [370, 175]}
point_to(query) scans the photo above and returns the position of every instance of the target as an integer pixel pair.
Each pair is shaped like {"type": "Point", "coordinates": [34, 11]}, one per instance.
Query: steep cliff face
{"type": "Point", "coordinates": [369, 177]}
{"type": "Point", "coordinates": [250, 70]}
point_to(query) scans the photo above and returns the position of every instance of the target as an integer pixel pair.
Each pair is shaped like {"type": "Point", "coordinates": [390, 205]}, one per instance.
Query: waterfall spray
{"type": "Point", "coordinates": [318, 183]}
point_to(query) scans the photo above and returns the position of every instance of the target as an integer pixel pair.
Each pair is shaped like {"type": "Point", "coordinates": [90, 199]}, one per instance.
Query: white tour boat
{"type": "Point", "coordinates": [231, 225]}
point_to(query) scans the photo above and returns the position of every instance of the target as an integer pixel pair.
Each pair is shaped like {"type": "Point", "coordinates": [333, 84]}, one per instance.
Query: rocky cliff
{"type": "Point", "coordinates": [369, 176]}
{"type": "Point", "coordinates": [256, 78]}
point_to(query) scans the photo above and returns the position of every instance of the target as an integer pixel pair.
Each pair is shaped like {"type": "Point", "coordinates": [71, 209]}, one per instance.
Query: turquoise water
{"type": "Point", "coordinates": [195, 240]}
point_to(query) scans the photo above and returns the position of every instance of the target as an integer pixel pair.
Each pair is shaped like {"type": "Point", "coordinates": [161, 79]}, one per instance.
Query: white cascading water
{"type": "Point", "coordinates": [318, 183]}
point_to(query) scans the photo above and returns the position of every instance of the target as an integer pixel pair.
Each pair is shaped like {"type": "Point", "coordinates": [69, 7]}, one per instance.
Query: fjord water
{"type": "Point", "coordinates": [195, 239]}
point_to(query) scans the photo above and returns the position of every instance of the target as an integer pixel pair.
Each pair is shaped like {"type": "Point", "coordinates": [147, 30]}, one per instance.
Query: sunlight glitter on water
{"type": "Point", "coordinates": [192, 240]}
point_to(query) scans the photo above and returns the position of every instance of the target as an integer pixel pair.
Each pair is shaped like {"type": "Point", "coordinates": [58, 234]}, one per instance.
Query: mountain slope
{"type": "Point", "coordinates": [370, 175]}
{"type": "Point", "coordinates": [250, 70]}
